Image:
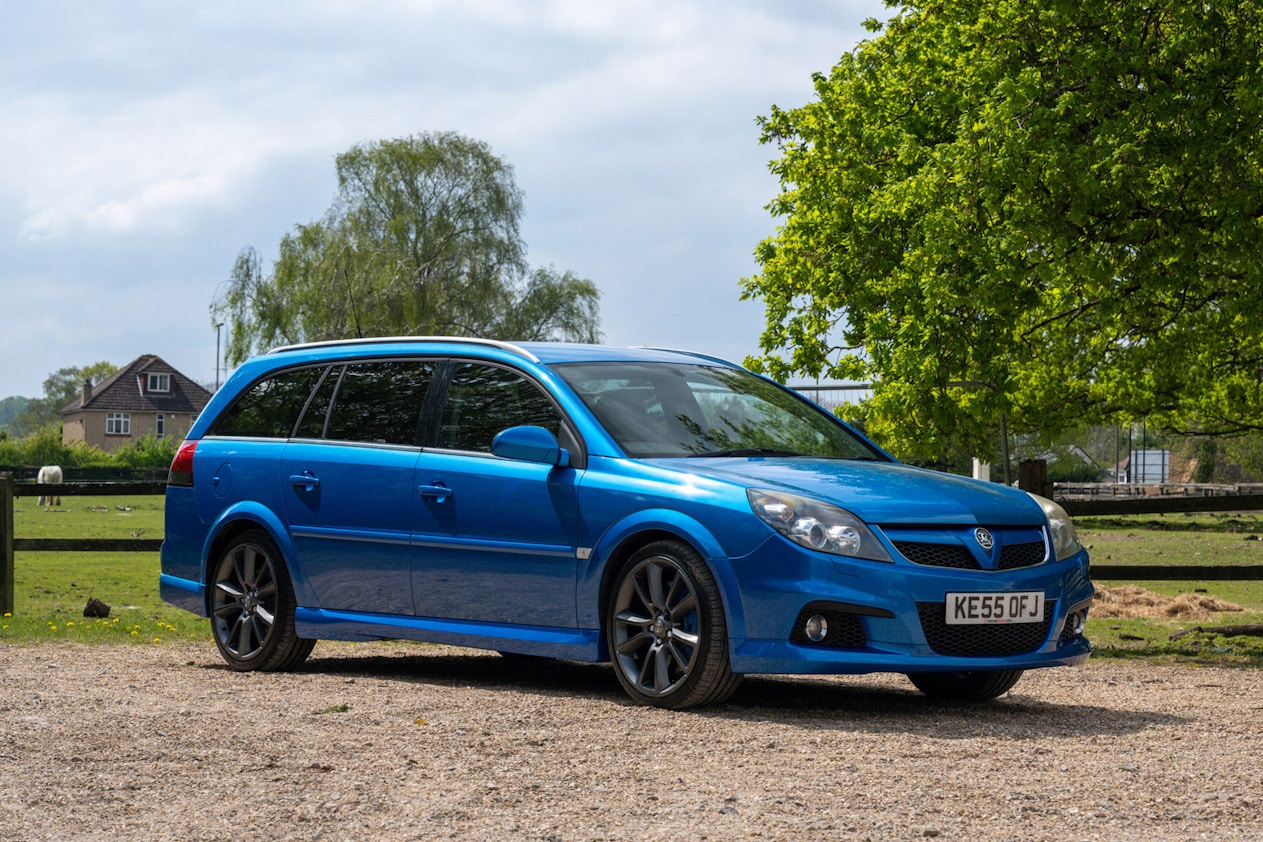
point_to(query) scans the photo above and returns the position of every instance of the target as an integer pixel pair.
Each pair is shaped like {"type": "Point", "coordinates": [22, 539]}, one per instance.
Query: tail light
{"type": "Point", "coordinates": [181, 473]}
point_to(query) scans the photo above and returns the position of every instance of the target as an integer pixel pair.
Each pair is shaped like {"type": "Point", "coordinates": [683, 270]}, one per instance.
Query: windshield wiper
{"type": "Point", "coordinates": [746, 451]}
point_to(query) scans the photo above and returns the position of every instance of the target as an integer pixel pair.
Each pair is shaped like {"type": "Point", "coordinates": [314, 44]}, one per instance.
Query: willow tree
{"type": "Point", "coordinates": [1039, 210]}
{"type": "Point", "coordinates": [422, 239]}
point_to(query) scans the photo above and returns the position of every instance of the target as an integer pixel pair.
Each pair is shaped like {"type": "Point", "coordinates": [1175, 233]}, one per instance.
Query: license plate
{"type": "Point", "coordinates": [974, 609]}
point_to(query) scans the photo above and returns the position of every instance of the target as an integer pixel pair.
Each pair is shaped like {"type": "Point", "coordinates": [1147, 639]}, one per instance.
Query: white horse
{"type": "Point", "coordinates": [49, 475]}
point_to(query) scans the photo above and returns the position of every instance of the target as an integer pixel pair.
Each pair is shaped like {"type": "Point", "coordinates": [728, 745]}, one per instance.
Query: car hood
{"type": "Point", "coordinates": [876, 492]}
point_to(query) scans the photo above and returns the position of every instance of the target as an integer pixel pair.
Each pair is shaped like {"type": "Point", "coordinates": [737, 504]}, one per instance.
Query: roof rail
{"type": "Point", "coordinates": [697, 354]}
{"type": "Point", "coordinates": [380, 340]}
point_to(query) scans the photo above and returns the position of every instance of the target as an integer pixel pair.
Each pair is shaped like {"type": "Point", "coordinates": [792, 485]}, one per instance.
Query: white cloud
{"type": "Point", "coordinates": [118, 163]}
{"type": "Point", "coordinates": [138, 125]}
{"type": "Point", "coordinates": [146, 165]}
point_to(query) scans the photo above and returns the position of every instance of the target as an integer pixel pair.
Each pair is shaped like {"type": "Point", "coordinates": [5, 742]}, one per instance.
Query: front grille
{"type": "Point", "coordinates": [985, 641]}
{"type": "Point", "coordinates": [1013, 556]}
{"type": "Point", "coordinates": [958, 557]}
{"type": "Point", "coordinates": [954, 556]}
{"type": "Point", "coordinates": [844, 629]}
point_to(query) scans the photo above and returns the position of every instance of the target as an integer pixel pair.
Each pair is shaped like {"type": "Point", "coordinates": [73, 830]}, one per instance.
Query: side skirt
{"type": "Point", "coordinates": [545, 641]}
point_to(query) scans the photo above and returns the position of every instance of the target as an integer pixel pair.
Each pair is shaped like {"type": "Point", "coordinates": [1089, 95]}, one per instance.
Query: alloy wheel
{"type": "Point", "coordinates": [656, 626]}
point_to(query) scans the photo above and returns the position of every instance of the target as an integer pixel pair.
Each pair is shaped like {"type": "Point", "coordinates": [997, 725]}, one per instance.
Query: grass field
{"type": "Point", "coordinates": [52, 588]}
{"type": "Point", "coordinates": [1231, 539]}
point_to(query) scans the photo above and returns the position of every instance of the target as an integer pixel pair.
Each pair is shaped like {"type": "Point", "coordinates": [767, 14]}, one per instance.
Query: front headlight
{"type": "Point", "coordinates": [1065, 540]}
{"type": "Point", "coordinates": [816, 525]}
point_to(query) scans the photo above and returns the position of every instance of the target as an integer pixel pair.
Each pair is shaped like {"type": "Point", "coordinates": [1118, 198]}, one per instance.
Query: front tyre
{"type": "Point", "coordinates": [666, 631]}
{"type": "Point", "coordinates": [969, 686]}
{"type": "Point", "coordinates": [252, 607]}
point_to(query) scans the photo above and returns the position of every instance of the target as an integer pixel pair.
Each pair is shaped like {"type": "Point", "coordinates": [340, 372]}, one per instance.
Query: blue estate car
{"type": "Point", "coordinates": [670, 512]}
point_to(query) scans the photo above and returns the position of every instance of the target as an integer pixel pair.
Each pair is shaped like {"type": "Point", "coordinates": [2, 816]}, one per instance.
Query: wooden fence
{"type": "Point", "coordinates": [1032, 477]}
{"type": "Point", "coordinates": [1104, 507]}
{"type": "Point", "coordinates": [1163, 506]}
{"type": "Point", "coordinates": [9, 544]}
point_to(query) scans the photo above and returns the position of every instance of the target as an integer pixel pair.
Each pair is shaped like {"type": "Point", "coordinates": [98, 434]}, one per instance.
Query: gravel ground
{"type": "Point", "coordinates": [402, 741]}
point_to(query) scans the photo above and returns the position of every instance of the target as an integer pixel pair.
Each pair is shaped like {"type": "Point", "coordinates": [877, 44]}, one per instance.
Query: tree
{"type": "Point", "coordinates": [60, 389]}
{"type": "Point", "coordinates": [1041, 211]}
{"type": "Point", "coordinates": [1243, 457]}
{"type": "Point", "coordinates": [11, 408]}
{"type": "Point", "coordinates": [422, 238]}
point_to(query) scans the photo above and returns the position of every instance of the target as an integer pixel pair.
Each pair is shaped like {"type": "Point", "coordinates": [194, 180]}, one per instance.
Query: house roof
{"type": "Point", "coordinates": [127, 390]}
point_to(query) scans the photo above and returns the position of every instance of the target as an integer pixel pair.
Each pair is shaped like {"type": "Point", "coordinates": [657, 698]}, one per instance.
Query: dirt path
{"type": "Point", "coordinates": [398, 741]}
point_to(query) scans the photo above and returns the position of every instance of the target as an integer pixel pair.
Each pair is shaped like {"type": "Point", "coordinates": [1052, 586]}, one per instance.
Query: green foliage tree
{"type": "Point", "coordinates": [1205, 451]}
{"type": "Point", "coordinates": [12, 408]}
{"type": "Point", "coordinates": [1241, 458]}
{"type": "Point", "coordinates": [60, 388]}
{"type": "Point", "coordinates": [1041, 209]}
{"type": "Point", "coordinates": [421, 239]}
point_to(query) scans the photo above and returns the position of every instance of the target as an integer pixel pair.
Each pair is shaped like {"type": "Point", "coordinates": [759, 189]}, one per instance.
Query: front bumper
{"type": "Point", "coordinates": [896, 614]}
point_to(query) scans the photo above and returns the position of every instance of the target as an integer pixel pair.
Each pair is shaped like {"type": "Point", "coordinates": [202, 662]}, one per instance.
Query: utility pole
{"type": "Point", "coordinates": [218, 325]}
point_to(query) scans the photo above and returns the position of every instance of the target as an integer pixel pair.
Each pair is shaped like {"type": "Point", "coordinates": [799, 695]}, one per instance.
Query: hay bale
{"type": "Point", "coordinates": [1128, 602]}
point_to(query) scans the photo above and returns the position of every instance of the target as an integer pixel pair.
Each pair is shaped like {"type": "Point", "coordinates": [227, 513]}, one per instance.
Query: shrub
{"type": "Point", "coordinates": [45, 447]}
{"type": "Point", "coordinates": [148, 452]}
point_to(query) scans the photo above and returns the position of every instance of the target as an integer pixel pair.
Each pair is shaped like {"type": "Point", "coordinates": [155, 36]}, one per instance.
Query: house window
{"type": "Point", "coordinates": [118, 423]}
{"type": "Point", "coordinates": [160, 382]}
{"type": "Point", "coordinates": [161, 427]}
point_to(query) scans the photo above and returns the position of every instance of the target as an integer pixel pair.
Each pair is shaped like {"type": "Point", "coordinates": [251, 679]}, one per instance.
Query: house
{"type": "Point", "coordinates": [1154, 467]}
{"type": "Point", "coordinates": [146, 398]}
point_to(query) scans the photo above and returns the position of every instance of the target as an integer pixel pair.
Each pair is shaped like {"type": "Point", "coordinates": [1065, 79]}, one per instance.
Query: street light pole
{"type": "Point", "coordinates": [217, 327]}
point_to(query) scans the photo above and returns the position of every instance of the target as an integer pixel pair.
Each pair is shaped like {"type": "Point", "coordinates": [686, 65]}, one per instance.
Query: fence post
{"type": "Point", "coordinates": [6, 543]}
{"type": "Point", "coordinates": [1032, 476]}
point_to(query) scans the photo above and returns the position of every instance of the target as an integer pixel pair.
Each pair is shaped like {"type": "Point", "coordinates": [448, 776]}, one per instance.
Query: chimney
{"type": "Point", "coordinates": [87, 392]}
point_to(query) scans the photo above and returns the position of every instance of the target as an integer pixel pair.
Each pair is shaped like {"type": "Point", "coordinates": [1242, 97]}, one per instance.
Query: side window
{"type": "Point", "coordinates": [313, 424]}
{"type": "Point", "coordinates": [483, 400]}
{"type": "Point", "coordinates": [271, 408]}
{"type": "Point", "coordinates": [380, 402]}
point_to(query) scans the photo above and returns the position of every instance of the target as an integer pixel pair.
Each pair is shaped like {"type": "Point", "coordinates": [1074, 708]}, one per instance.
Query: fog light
{"type": "Point", "coordinates": [816, 628]}
{"type": "Point", "coordinates": [1080, 620]}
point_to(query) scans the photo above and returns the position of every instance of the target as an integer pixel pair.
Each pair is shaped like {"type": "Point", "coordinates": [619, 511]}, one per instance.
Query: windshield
{"type": "Point", "coordinates": [673, 409]}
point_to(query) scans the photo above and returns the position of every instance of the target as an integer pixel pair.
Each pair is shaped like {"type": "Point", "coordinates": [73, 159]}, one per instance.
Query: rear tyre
{"type": "Point", "coordinates": [252, 607]}
{"type": "Point", "coordinates": [970, 686]}
{"type": "Point", "coordinates": [666, 631]}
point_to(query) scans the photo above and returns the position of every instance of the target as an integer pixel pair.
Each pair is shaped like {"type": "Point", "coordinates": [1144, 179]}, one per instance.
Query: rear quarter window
{"type": "Point", "coordinates": [271, 407]}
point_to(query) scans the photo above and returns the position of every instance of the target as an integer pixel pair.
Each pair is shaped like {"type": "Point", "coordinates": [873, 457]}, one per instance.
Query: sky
{"type": "Point", "coordinates": [144, 144]}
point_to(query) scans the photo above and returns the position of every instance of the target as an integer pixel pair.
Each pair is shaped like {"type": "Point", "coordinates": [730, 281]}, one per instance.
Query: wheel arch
{"type": "Point", "coordinates": [621, 543]}
{"type": "Point", "coordinates": [243, 518]}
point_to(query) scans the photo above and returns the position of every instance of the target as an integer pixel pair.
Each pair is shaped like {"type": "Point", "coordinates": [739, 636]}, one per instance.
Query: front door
{"type": "Point", "coordinates": [495, 538]}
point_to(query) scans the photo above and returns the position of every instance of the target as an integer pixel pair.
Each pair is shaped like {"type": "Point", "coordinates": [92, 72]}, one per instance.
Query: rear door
{"type": "Point", "coordinates": [348, 485]}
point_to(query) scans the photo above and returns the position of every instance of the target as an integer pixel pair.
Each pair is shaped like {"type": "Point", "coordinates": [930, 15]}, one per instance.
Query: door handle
{"type": "Point", "coordinates": [306, 481]}
{"type": "Point", "coordinates": [438, 491]}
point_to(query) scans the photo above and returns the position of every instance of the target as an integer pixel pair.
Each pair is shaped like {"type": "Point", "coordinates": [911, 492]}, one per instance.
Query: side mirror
{"type": "Point", "coordinates": [530, 444]}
